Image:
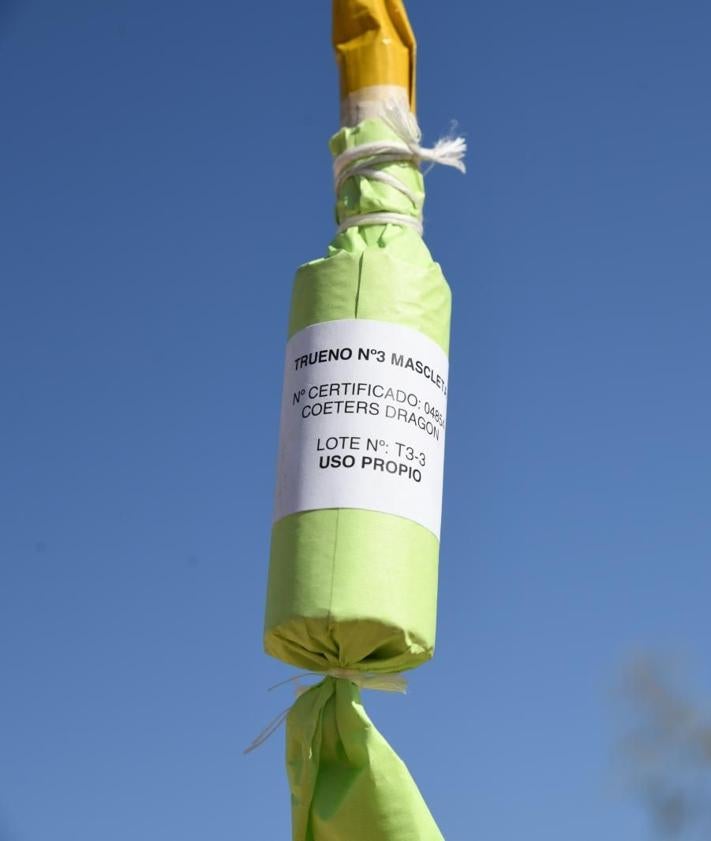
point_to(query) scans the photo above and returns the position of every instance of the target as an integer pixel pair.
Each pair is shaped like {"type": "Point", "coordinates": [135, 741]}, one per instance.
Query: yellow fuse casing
{"type": "Point", "coordinates": [374, 45]}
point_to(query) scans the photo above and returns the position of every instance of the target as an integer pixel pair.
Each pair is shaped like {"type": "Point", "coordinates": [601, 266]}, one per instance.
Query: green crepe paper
{"type": "Point", "coordinates": [347, 783]}
{"type": "Point", "coordinates": [350, 588]}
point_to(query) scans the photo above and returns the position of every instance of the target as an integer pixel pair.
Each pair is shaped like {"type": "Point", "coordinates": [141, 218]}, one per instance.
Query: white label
{"type": "Point", "coordinates": [362, 421]}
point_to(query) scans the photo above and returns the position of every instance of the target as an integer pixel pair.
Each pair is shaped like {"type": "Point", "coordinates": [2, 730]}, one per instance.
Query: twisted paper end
{"type": "Point", "coordinates": [368, 159]}
{"type": "Point", "coordinates": [382, 682]}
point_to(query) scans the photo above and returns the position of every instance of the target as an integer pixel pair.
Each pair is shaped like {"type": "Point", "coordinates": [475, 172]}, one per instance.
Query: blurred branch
{"type": "Point", "coordinates": [667, 751]}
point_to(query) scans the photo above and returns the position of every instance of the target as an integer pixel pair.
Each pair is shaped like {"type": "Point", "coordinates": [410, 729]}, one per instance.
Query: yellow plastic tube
{"type": "Point", "coordinates": [375, 47]}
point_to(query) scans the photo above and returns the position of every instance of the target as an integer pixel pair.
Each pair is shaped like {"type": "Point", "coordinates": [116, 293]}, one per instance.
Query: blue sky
{"type": "Point", "coordinates": [163, 170]}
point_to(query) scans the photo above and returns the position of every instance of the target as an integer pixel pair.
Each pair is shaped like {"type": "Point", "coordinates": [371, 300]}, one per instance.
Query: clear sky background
{"type": "Point", "coordinates": [163, 171]}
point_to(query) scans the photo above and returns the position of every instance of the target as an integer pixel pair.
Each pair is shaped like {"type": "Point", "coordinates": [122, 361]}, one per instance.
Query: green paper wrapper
{"type": "Point", "coordinates": [352, 588]}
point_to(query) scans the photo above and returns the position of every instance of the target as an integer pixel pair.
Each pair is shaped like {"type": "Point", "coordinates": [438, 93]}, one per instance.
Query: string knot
{"type": "Point", "coordinates": [447, 151]}
{"type": "Point", "coordinates": [382, 682]}
{"type": "Point", "coordinates": [365, 159]}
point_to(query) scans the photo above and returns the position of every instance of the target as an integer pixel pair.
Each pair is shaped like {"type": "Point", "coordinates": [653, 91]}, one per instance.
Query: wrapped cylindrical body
{"type": "Point", "coordinates": [352, 587]}
{"type": "Point", "coordinates": [355, 540]}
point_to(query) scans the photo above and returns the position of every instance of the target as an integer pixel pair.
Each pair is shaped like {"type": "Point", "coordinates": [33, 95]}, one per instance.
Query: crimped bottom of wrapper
{"type": "Point", "coordinates": [347, 784]}
{"type": "Point", "coordinates": [312, 644]}
{"type": "Point", "coordinates": [351, 588]}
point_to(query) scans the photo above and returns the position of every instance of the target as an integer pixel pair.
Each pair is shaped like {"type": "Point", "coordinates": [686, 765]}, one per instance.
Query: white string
{"type": "Point", "coordinates": [383, 151]}
{"type": "Point", "coordinates": [382, 681]}
{"type": "Point", "coordinates": [292, 679]}
{"type": "Point", "coordinates": [383, 218]}
{"type": "Point", "coordinates": [269, 730]}
{"type": "Point", "coordinates": [365, 680]}
{"type": "Point", "coordinates": [367, 171]}
{"type": "Point", "coordinates": [361, 160]}
{"type": "Point", "coordinates": [448, 151]}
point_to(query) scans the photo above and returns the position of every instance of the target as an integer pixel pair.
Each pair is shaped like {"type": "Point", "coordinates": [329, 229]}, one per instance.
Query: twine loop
{"type": "Point", "coordinates": [363, 161]}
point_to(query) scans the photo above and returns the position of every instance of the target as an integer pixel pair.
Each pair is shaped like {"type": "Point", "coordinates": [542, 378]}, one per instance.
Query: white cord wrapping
{"type": "Point", "coordinates": [365, 680]}
{"type": "Point", "coordinates": [362, 160]}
